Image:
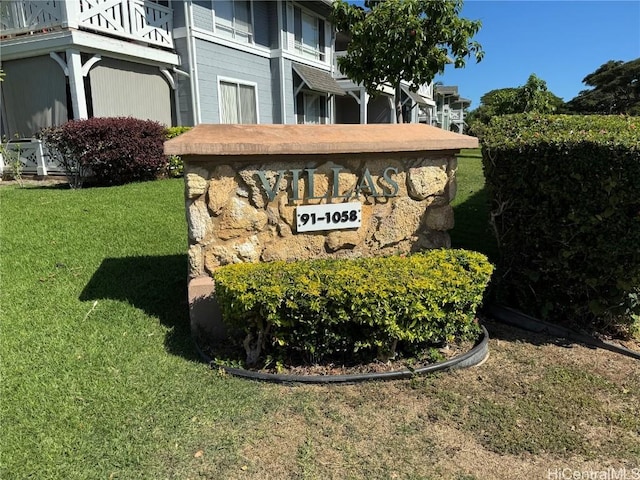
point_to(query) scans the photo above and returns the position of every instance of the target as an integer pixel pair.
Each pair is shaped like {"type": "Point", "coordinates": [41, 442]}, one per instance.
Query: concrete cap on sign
{"type": "Point", "coordinates": [239, 140]}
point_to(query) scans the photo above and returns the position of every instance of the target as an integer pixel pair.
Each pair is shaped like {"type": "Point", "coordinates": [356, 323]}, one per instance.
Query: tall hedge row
{"type": "Point", "coordinates": [565, 194]}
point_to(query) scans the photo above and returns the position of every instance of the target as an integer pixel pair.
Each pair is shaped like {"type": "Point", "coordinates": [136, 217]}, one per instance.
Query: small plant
{"type": "Point", "coordinates": [11, 158]}
{"type": "Point", "coordinates": [175, 166]}
{"type": "Point", "coordinates": [59, 142]}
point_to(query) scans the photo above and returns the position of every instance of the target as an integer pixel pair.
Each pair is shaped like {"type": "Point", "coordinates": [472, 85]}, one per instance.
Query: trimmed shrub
{"type": "Point", "coordinates": [565, 193]}
{"type": "Point", "coordinates": [175, 166]}
{"type": "Point", "coordinates": [322, 308]}
{"type": "Point", "coordinates": [114, 150]}
{"type": "Point", "coordinates": [173, 132]}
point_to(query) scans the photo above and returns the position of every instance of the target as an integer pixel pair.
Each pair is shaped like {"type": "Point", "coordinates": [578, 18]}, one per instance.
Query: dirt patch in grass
{"type": "Point", "coordinates": [537, 405]}
{"type": "Point", "coordinates": [231, 353]}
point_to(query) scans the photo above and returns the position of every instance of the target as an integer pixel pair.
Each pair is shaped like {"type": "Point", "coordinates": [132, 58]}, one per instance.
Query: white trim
{"type": "Point", "coordinates": [306, 94]}
{"type": "Point", "coordinates": [220, 78]}
{"type": "Point", "coordinates": [258, 50]}
{"type": "Point", "coordinates": [252, 35]}
{"type": "Point", "coordinates": [76, 85]}
{"type": "Point", "coordinates": [37, 45]}
{"type": "Point", "coordinates": [283, 86]}
{"type": "Point", "coordinates": [63, 65]}
{"type": "Point", "coordinates": [326, 66]}
{"type": "Point", "coordinates": [90, 63]}
{"type": "Point", "coordinates": [193, 65]}
{"type": "Point", "coordinates": [169, 77]}
{"type": "Point", "coordinates": [181, 72]}
{"type": "Point", "coordinates": [202, 34]}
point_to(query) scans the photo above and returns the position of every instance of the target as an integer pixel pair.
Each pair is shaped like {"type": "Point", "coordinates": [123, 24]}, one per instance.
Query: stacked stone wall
{"type": "Point", "coordinates": [233, 216]}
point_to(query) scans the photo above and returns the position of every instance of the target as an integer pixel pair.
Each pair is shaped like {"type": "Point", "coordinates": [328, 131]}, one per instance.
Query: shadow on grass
{"type": "Point", "coordinates": [156, 285]}
{"type": "Point", "coordinates": [472, 230]}
{"type": "Point", "coordinates": [513, 334]}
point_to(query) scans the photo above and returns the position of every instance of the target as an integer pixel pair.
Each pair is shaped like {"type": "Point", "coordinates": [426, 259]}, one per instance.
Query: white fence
{"type": "Point", "coordinates": [35, 158]}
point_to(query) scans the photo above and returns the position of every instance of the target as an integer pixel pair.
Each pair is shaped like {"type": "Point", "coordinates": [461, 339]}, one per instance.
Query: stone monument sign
{"type": "Point", "coordinates": [259, 193]}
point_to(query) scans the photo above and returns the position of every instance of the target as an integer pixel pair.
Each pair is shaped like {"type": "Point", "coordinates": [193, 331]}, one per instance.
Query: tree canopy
{"type": "Point", "coordinates": [533, 96]}
{"type": "Point", "coordinates": [615, 90]}
{"type": "Point", "coordinates": [404, 40]}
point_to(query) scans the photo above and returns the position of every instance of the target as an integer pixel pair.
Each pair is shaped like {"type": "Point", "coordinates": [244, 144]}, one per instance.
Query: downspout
{"type": "Point", "coordinates": [193, 69]}
{"type": "Point", "coordinates": [281, 32]}
{"type": "Point", "coordinates": [176, 96]}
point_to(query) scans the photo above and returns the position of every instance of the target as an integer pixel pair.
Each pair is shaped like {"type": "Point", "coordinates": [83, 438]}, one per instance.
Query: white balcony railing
{"type": "Point", "coordinates": [140, 20]}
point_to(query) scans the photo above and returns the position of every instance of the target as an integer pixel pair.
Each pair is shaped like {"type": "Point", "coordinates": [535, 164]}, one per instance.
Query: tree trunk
{"type": "Point", "coordinates": [399, 116]}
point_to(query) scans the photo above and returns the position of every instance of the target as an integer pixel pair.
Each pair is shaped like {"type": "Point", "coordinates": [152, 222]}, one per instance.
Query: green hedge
{"type": "Point", "coordinates": [565, 193]}
{"type": "Point", "coordinates": [175, 166]}
{"type": "Point", "coordinates": [172, 132]}
{"type": "Point", "coordinates": [322, 308]}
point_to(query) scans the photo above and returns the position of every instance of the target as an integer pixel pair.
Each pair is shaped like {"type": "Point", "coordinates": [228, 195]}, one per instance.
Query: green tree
{"type": "Point", "coordinates": [495, 102]}
{"type": "Point", "coordinates": [616, 89]}
{"type": "Point", "coordinates": [410, 40]}
{"type": "Point", "coordinates": [533, 96]}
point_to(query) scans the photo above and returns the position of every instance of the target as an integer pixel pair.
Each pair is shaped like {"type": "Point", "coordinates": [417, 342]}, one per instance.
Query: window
{"type": "Point", "coordinates": [309, 34]}
{"type": "Point", "coordinates": [234, 19]}
{"type": "Point", "coordinates": [311, 108]}
{"type": "Point", "coordinates": [238, 102]}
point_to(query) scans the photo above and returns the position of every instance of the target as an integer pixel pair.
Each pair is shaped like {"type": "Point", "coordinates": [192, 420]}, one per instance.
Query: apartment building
{"type": "Point", "coordinates": [183, 62]}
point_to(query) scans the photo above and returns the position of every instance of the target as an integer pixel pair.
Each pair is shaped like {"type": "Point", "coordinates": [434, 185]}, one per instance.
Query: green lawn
{"type": "Point", "coordinates": [99, 379]}
{"type": "Point", "coordinates": [471, 207]}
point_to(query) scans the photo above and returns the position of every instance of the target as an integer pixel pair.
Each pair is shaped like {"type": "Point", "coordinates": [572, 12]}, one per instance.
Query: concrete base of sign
{"type": "Point", "coordinates": [206, 318]}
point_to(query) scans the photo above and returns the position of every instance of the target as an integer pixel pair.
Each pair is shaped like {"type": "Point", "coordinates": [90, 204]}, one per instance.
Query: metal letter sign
{"type": "Point", "coordinates": [333, 216]}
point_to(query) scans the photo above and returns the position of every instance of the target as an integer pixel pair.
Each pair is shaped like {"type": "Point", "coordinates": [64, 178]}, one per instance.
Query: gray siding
{"type": "Point", "coordinates": [217, 60]}
{"type": "Point", "coordinates": [185, 115]}
{"type": "Point", "coordinates": [288, 92]}
{"type": "Point", "coordinates": [123, 89]}
{"type": "Point", "coordinates": [33, 96]}
{"type": "Point", "coordinates": [275, 90]}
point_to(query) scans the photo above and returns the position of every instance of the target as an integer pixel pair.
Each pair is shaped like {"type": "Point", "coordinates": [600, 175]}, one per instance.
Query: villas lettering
{"type": "Point", "coordinates": [365, 185]}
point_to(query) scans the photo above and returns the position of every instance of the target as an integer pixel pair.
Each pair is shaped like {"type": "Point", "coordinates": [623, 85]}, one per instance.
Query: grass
{"type": "Point", "coordinates": [471, 206]}
{"type": "Point", "coordinates": [99, 378]}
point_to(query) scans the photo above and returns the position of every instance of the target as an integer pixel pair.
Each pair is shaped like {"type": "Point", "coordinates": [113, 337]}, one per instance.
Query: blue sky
{"type": "Point", "coordinates": [560, 41]}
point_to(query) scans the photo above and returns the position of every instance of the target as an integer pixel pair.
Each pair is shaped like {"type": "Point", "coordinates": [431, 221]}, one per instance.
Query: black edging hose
{"type": "Point", "coordinates": [473, 357]}
{"type": "Point", "coordinates": [518, 319]}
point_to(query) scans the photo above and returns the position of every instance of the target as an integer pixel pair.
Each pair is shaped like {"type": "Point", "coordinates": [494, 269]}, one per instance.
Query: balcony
{"type": "Point", "coordinates": [138, 20]}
